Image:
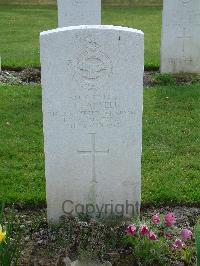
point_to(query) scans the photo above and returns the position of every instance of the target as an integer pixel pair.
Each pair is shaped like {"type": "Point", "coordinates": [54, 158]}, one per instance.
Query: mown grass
{"type": "Point", "coordinates": [19, 33]}
{"type": "Point", "coordinates": [171, 145]}
{"type": "Point", "coordinates": [21, 25]}
{"type": "Point", "coordinates": [136, 3]}
{"type": "Point", "coordinates": [21, 145]}
{"type": "Point", "coordinates": [104, 2]}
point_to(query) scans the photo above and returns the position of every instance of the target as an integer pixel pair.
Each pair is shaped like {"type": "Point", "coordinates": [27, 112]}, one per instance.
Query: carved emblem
{"type": "Point", "coordinates": [93, 67]}
{"type": "Point", "coordinates": [75, 2]}
{"type": "Point", "coordinates": [186, 1]}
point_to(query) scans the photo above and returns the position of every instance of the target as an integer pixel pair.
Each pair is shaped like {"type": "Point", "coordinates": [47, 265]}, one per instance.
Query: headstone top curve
{"type": "Point", "coordinates": [90, 27]}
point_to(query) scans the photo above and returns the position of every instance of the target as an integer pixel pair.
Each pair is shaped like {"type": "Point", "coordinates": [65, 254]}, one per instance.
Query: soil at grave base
{"type": "Point", "coordinates": [20, 77]}
{"type": "Point", "coordinates": [33, 76]}
{"type": "Point", "coordinates": [45, 247]}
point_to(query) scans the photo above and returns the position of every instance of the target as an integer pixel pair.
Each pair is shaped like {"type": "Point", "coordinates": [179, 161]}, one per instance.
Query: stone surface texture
{"type": "Point", "coordinates": [78, 12]}
{"type": "Point", "coordinates": [180, 51]}
{"type": "Point", "coordinates": [92, 82]}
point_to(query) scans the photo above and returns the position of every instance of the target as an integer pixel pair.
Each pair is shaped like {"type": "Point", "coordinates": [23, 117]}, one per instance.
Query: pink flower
{"type": "Point", "coordinates": [156, 219]}
{"type": "Point", "coordinates": [173, 246]}
{"type": "Point", "coordinates": [144, 231]}
{"type": "Point", "coordinates": [152, 236]}
{"type": "Point", "coordinates": [179, 243]}
{"type": "Point", "coordinates": [131, 230]}
{"type": "Point", "coordinates": [186, 234]}
{"type": "Point", "coordinates": [170, 219]}
{"type": "Point", "coordinates": [168, 235]}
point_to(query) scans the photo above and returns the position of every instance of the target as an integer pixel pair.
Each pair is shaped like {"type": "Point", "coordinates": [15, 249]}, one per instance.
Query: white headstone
{"type": "Point", "coordinates": [180, 51]}
{"type": "Point", "coordinates": [92, 80]}
{"type": "Point", "coordinates": [78, 12]}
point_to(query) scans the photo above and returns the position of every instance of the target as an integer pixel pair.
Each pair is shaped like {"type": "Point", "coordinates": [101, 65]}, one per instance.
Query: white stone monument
{"type": "Point", "coordinates": [180, 51]}
{"type": "Point", "coordinates": [92, 81]}
{"type": "Point", "coordinates": [78, 12]}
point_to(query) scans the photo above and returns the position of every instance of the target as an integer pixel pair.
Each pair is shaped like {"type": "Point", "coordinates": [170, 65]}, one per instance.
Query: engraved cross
{"type": "Point", "coordinates": [93, 152]}
{"type": "Point", "coordinates": [184, 37]}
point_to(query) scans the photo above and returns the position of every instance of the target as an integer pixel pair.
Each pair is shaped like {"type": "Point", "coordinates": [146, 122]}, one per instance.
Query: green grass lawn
{"type": "Point", "coordinates": [21, 145]}
{"type": "Point", "coordinates": [171, 145]}
{"type": "Point", "coordinates": [104, 2]}
{"type": "Point", "coordinates": [21, 25]}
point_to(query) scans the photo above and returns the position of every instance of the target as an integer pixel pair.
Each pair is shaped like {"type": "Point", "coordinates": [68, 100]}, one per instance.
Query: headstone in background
{"type": "Point", "coordinates": [78, 12]}
{"type": "Point", "coordinates": [180, 51]}
{"type": "Point", "coordinates": [92, 80]}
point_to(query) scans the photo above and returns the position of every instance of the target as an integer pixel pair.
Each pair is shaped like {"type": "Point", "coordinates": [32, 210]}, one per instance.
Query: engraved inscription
{"type": "Point", "coordinates": [93, 153]}
{"type": "Point", "coordinates": [177, 63]}
{"type": "Point", "coordinates": [183, 59]}
{"type": "Point", "coordinates": [93, 111]}
{"type": "Point", "coordinates": [96, 106]}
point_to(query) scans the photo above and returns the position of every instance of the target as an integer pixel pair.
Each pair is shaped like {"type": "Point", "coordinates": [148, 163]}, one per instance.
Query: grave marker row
{"type": "Point", "coordinates": [92, 80]}
{"type": "Point", "coordinates": [180, 47]}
